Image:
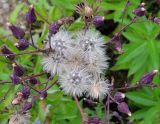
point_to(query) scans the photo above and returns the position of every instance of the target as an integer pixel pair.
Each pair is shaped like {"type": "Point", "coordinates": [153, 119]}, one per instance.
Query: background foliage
{"type": "Point", "coordinates": [141, 54]}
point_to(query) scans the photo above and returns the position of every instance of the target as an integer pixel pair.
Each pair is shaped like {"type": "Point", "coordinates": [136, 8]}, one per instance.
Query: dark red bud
{"type": "Point", "coordinates": [27, 106]}
{"type": "Point", "coordinates": [15, 79]}
{"type": "Point", "coordinates": [43, 95]}
{"type": "Point", "coordinates": [16, 31]}
{"type": "Point", "coordinates": [18, 70]}
{"type": "Point", "coordinates": [31, 16]}
{"type": "Point", "coordinates": [148, 77]}
{"type": "Point", "coordinates": [8, 53]}
{"type": "Point", "coordinates": [98, 21]}
{"type": "Point", "coordinates": [123, 108]}
{"type": "Point", "coordinates": [22, 44]}
{"type": "Point", "coordinates": [26, 92]}
{"type": "Point", "coordinates": [119, 97]}
{"type": "Point", "coordinates": [33, 80]}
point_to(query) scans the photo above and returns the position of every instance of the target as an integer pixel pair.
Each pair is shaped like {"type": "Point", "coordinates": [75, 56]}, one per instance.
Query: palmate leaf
{"type": "Point", "coordinates": [142, 52]}
{"type": "Point", "coordinates": [148, 102]}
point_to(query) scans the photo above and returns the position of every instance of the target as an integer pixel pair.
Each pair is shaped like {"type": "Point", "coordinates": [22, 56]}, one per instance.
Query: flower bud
{"type": "Point", "coordinates": [22, 44]}
{"type": "Point", "coordinates": [18, 70]}
{"type": "Point", "coordinates": [148, 77]}
{"type": "Point", "coordinates": [31, 16]}
{"type": "Point", "coordinates": [15, 79]}
{"type": "Point", "coordinates": [54, 28]}
{"type": "Point", "coordinates": [26, 92]}
{"type": "Point", "coordinates": [119, 97]}
{"type": "Point", "coordinates": [139, 12]}
{"type": "Point", "coordinates": [33, 80]}
{"type": "Point", "coordinates": [116, 43]}
{"type": "Point", "coordinates": [123, 107]}
{"type": "Point", "coordinates": [155, 20]}
{"type": "Point", "coordinates": [43, 95]}
{"type": "Point", "coordinates": [98, 21]}
{"type": "Point", "coordinates": [27, 106]}
{"type": "Point", "coordinates": [8, 53]}
{"type": "Point", "coordinates": [16, 31]}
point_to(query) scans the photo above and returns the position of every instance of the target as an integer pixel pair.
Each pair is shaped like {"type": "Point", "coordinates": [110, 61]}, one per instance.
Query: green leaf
{"type": "Point", "coordinates": [15, 13]}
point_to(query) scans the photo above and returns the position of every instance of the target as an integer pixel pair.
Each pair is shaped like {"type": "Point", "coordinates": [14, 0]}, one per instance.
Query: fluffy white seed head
{"type": "Point", "coordinates": [96, 63]}
{"type": "Point", "coordinates": [90, 41]}
{"type": "Point", "coordinates": [60, 42]}
{"type": "Point", "coordinates": [98, 89]}
{"type": "Point", "coordinates": [74, 82]}
{"type": "Point", "coordinates": [54, 63]}
{"type": "Point", "coordinates": [18, 118]}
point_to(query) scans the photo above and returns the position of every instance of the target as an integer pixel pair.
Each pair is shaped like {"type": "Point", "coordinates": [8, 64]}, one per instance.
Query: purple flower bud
{"type": "Point", "coordinates": [54, 28]}
{"type": "Point", "coordinates": [148, 77]}
{"type": "Point", "coordinates": [119, 97]}
{"type": "Point", "coordinates": [139, 12]}
{"type": "Point", "coordinates": [31, 16]}
{"type": "Point", "coordinates": [116, 43]}
{"type": "Point", "coordinates": [22, 44]}
{"type": "Point", "coordinates": [155, 20]}
{"type": "Point", "coordinates": [15, 79]}
{"type": "Point", "coordinates": [18, 70]}
{"type": "Point", "coordinates": [9, 54]}
{"type": "Point", "coordinates": [26, 92]}
{"type": "Point", "coordinates": [116, 114]}
{"type": "Point", "coordinates": [16, 31]}
{"type": "Point", "coordinates": [33, 80]}
{"type": "Point", "coordinates": [98, 21]}
{"type": "Point", "coordinates": [27, 106]}
{"type": "Point", "coordinates": [43, 95]}
{"type": "Point", "coordinates": [123, 107]}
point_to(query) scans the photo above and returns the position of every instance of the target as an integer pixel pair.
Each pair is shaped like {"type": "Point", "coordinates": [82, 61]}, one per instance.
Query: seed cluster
{"type": "Point", "coordinates": [79, 59]}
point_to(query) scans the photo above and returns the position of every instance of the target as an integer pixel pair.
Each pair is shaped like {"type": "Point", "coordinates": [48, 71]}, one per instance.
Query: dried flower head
{"type": "Point", "coordinates": [53, 63]}
{"type": "Point", "coordinates": [98, 89]}
{"type": "Point", "coordinates": [19, 118]}
{"type": "Point", "coordinates": [74, 81]}
{"type": "Point", "coordinates": [90, 41]}
{"type": "Point", "coordinates": [60, 42]}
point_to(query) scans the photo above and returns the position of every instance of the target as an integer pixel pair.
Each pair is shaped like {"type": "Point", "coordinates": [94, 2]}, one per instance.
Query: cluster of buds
{"type": "Point", "coordinates": [122, 106]}
{"type": "Point", "coordinates": [140, 11]}
{"type": "Point", "coordinates": [19, 33]}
